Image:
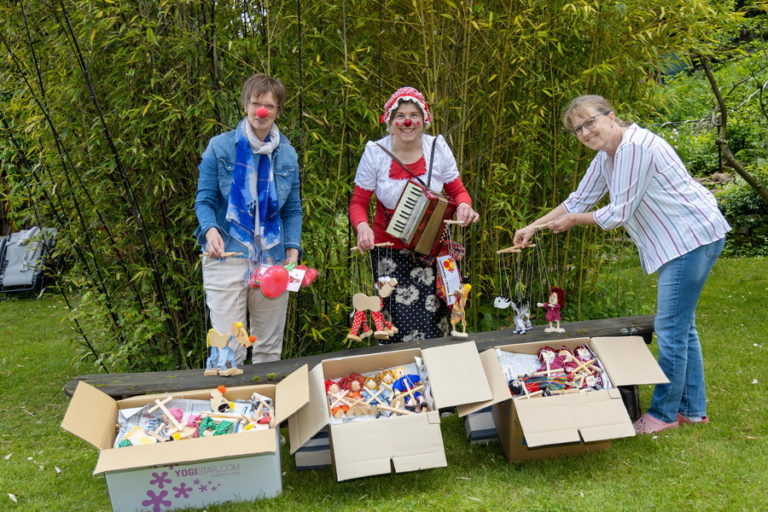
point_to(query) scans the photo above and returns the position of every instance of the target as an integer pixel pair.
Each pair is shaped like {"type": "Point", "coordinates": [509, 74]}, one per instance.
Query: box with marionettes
{"type": "Point", "coordinates": [382, 410]}
{"type": "Point", "coordinates": [561, 397]}
{"type": "Point", "coordinates": [170, 451]}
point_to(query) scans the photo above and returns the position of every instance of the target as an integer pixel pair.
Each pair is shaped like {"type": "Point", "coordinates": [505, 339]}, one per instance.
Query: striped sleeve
{"type": "Point", "coordinates": [591, 188]}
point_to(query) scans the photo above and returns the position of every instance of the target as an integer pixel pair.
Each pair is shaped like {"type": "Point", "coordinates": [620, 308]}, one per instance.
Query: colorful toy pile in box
{"type": "Point", "coordinates": [553, 372]}
{"type": "Point", "coordinates": [172, 419]}
{"type": "Point", "coordinates": [400, 390]}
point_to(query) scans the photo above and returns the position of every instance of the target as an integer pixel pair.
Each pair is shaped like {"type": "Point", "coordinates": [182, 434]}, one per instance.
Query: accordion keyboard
{"type": "Point", "coordinates": [408, 213]}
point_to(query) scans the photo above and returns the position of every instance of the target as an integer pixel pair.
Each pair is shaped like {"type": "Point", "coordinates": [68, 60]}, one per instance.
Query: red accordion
{"type": "Point", "coordinates": [418, 218]}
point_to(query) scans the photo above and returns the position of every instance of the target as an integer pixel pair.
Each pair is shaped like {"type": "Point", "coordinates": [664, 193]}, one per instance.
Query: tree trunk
{"type": "Point", "coordinates": [721, 135]}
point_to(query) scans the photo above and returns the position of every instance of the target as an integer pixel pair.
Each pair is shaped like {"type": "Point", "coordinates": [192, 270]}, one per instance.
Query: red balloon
{"type": "Point", "coordinates": [262, 112]}
{"type": "Point", "coordinates": [309, 277]}
{"type": "Point", "coordinates": [275, 281]}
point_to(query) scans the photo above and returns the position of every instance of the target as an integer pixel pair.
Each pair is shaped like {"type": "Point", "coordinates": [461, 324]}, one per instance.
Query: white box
{"type": "Point", "coordinates": [191, 472]}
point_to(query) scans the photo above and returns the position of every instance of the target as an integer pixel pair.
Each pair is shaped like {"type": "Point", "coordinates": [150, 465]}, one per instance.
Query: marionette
{"type": "Point", "coordinates": [551, 363]}
{"type": "Point", "coordinates": [458, 311]}
{"type": "Point", "coordinates": [338, 404]}
{"type": "Point", "coordinates": [221, 360]}
{"type": "Point", "coordinates": [409, 389]}
{"type": "Point", "coordinates": [361, 304]}
{"type": "Point", "coordinates": [385, 379]}
{"type": "Point", "coordinates": [553, 307]}
{"type": "Point", "coordinates": [374, 396]}
{"type": "Point", "coordinates": [567, 359]}
{"type": "Point", "coordinates": [522, 318]}
{"type": "Point", "coordinates": [352, 384]}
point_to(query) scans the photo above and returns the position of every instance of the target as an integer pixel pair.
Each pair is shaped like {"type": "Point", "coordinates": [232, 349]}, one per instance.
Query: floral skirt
{"type": "Point", "coordinates": [414, 307]}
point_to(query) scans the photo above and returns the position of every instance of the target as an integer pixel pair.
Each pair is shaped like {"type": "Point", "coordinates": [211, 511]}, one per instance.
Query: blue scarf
{"type": "Point", "coordinates": [253, 210]}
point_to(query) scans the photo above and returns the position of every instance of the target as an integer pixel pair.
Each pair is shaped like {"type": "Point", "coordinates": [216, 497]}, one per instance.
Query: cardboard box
{"type": "Point", "coordinates": [574, 423]}
{"type": "Point", "coordinates": [397, 443]}
{"type": "Point", "coordinates": [191, 472]}
{"type": "Point", "coordinates": [315, 454]}
{"type": "Point", "coordinates": [480, 427]}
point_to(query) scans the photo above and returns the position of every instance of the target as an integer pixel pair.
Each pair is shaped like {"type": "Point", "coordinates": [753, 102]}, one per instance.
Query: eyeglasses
{"type": "Point", "coordinates": [267, 106]}
{"type": "Point", "coordinates": [588, 124]}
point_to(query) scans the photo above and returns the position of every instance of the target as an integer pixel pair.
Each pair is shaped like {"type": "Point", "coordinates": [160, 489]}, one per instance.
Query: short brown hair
{"type": "Point", "coordinates": [598, 103]}
{"type": "Point", "coordinates": [261, 83]}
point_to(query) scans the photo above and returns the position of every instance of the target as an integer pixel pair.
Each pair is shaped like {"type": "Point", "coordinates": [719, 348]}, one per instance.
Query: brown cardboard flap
{"type": "Point", "coordinates": [91, 416]}
{"type": "Point", "coordinates": [189, 450]}
{"type": "Point", "coordinates": [546, 423]}
{"type": "Point", "coordinates": [456, 375]}
{"type": "Point", "coordinates": [496, 381]}
{"type": "Point", "coordinates": [292, 394]}
{"type": "Point", "coordinates": [314, 416]}
{"type": "Point", "coordinates": [374, 447]}
{"type": "Point", "coordinates": [628, 360]}
{"type": "Point", "coordinates": [591, 416]}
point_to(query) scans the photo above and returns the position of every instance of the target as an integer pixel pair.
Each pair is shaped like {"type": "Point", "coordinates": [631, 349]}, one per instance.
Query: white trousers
{"type": "Point", "coordinates": [230, 300]}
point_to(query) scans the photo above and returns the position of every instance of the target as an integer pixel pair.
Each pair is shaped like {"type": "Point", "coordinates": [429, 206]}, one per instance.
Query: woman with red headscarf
{"type": "Point", "coordinates": [414, 308]}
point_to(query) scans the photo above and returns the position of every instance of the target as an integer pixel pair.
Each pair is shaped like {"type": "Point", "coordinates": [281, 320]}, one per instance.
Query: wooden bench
{"type": "Point", "coordinates": [124, 385]}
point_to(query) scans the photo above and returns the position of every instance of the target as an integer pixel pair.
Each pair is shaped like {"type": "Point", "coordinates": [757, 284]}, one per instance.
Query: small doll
{"type": "Point", "coordinates": [409, 388]}
{"type": "Point", "coordinates": [457, 312]}
{"type": "Point", "coordinates": [338, 405]}
{"type": "Point", "coordinates": [262, 415]}
{"type": "Point", "coordinates": [567, 359]}
{"type": "Point", "coordinates": [551, 363]}
{"type": "Point", "coordinates": [385, 379]}
{"type": "Point", "coordinates": [522, 318]}
{"type": "Point", "coordinates": [373, 396]}
{"type": "Point", "coordinates": [553, 307]}
{"type": "Point", "coordinates": [352, 384]}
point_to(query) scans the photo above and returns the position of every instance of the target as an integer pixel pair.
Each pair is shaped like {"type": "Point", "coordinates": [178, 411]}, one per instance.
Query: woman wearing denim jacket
{"type": "Point", "coordinates": [678, 230]}
{"type": "Point", "coordinates": [248, 203]}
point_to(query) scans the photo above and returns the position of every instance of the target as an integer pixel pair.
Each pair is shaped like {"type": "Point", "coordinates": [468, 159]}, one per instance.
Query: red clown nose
{"type": "Point", "coordinates": [262, 112]}
{"type": "Point", "coordinates": [407, 123]}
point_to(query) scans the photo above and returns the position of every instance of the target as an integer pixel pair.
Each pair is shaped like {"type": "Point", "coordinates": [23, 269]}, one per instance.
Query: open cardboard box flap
{"type": "Point", "coordinates": [407, 443]}
{"type": "Point", "coordinates": [92, 416]}
{"type": "Point", "coordinates": [291, 394]}
{"type": "Point", "coordinates": [628, 360]}
{"type": "Point", "coordinates": [312, 418]}
{"type": "Point", "coordinates": [588, 417]}
{"type": "Point", "coordinates": [455, 375]}
{"type": "Point", "coordinates": [497, 383]}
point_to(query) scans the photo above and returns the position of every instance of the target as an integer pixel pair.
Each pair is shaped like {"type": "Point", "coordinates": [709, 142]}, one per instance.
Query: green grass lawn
{"type": "Point", "coordinates": [720, 466]}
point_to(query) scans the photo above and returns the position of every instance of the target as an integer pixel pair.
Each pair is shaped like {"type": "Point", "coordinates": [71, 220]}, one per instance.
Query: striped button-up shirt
{"type": "Point", "coordinates": [665, 211]}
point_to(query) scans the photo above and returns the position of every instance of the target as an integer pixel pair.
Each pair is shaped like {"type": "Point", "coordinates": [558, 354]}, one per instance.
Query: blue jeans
{"type": "Point", "coordinates": [679, 287]}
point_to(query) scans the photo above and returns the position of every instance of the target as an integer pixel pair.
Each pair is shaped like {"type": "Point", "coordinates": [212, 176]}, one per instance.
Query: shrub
{"type": "Point", "coordinates": [747, 213]}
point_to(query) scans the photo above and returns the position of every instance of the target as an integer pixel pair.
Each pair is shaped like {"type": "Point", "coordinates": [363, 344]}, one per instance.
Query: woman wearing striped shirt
{"type": "Point", "coordinates": [677, 228]}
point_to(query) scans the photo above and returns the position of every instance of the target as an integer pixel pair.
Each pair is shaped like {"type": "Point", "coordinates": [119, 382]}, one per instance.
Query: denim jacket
{"type": "Point", "coordinates": [216, 167]}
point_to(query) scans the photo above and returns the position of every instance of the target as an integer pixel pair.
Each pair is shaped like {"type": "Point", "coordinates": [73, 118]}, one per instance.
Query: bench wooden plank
{"type": "Point", "coordinates": [123, 385]}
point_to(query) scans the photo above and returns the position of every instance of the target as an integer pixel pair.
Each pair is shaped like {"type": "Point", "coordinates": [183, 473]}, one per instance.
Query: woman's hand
{"type": "Point", "coordinates": [563, 223]}
{"type": "Point", "coordinates": [364, 236]}
{"type": "Point", "coordinates": [466, 215]}
{"type": "Point", "coordinates": [214, 244]}
{"type": "Point", "coordinates": [291, 256]}
{"type": "Point", "coordinates": [524, 235]}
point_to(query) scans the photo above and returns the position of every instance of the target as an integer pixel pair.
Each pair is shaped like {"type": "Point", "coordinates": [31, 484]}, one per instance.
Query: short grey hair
{"type": "Point", "coordinates": [594, 101]}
